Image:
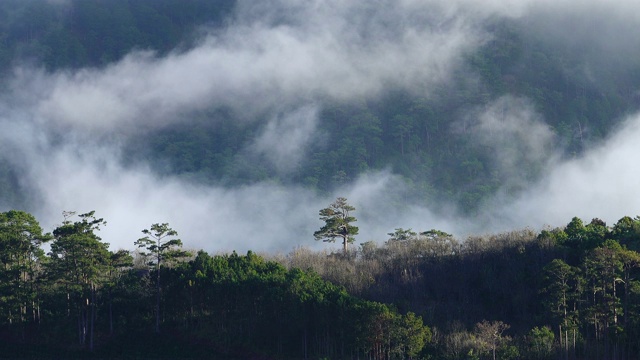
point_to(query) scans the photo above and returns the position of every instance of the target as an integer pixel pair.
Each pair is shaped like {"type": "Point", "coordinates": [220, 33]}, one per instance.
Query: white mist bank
{"type": "Point", "coordinates": [273, 218]}
{"type": "Point", "coordinates": [276, 62]}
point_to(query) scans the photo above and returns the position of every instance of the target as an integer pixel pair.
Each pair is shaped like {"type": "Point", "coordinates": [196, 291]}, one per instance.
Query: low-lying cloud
{"type": "Point", "coordinates": [517, 139]}
{"type": "Point", "coordinates": [601, 184]}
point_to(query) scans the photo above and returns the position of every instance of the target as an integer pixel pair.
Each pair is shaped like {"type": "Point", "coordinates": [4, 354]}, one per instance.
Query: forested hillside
{"type": "Point", "coordinates": [434, 141]}
{"type": "Point", "coordinates": [82, 300]}
{"type": "Point", "coordinates": [564, 293]}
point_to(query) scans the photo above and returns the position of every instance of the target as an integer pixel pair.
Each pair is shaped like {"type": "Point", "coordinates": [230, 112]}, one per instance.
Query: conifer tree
{"type": "Point", "coordinates": [338, 221]}
{"type": "Point", "coordinates": [78, 264]}
{"type": "Point", "coordinates": [161, 247]}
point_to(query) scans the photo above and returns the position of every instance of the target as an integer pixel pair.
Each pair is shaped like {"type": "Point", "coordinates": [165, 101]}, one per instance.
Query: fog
{"type": "Point", "coordinates": [602, 183]}
{"type": "Point", "coordinates": [277, 62]}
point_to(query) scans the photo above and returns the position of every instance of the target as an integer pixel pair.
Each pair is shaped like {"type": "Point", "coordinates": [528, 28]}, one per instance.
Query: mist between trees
{"type": "Point", "coordinates": [566, 293]}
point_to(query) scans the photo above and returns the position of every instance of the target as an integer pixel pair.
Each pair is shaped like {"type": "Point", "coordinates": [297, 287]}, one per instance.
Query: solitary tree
{"type": "Point", "coordinates": [338, 221]}
{"type": "Point", "coordinates": [161, 247]}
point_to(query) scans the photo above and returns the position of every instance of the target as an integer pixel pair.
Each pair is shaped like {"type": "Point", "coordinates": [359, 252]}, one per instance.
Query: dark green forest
{"type": "Point", "coordinates": [82, 300]}
{"type": "Point", "coordinates": [563, 293]}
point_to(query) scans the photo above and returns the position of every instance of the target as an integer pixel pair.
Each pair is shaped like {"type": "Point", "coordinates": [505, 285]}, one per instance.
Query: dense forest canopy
{"type": "Point", "coordinates": [570, 292]}
{"type": "Point", "coordinates": [229, 114]}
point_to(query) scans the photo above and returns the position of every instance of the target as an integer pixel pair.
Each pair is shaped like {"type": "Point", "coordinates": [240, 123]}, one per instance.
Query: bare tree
{"type": "Point", "coordinates": [490, 335]}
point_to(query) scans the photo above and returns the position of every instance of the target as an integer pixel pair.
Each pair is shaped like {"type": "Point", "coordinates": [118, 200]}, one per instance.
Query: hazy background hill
{"type": "Point", "coordinates": [225, 115]}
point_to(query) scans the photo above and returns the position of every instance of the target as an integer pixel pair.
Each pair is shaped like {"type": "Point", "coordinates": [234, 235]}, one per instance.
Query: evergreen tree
{"type": "Point", "coordinates": [21, 259]}
{"type": "Point", "coordinates": [338, 221]}
{"type": "Point", "coordinates": [161, 248]}
{"type": "Point", "coordinates": [78, 265]}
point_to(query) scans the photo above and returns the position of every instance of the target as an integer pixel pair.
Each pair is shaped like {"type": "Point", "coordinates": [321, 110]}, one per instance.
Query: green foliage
{"type": "Point", "coordinates": [337, 218]}
{"type": "Point", "coordinates": [288, 313]}
{"type": "Point", "coordinates": [78, 255]}
{"type": "Point", "coordinates": [162, 248]}
{"type": "Point", "coordinates": [540, 343]}
{"type": "Point", "coordinates": [159, 245]}
{"type": "Point", "coordinates": [412, 335]}
{"type": "Point", "coordinates": [21, 260]}
{"type": "Point", "coordinates": [78, 261]}
{"type": "Point", "coordinates": [402, 235]}
{"type": "Point", "coordinates": [562, 291]}
{"type": "Point", "coordinates": [627, 232]}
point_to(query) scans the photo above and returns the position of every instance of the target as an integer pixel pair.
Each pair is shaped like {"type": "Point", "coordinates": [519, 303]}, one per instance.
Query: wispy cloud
{"type": "Point", "coordinates": [275, 55]}
{"type": "Point", "coordinates": [284, 139]}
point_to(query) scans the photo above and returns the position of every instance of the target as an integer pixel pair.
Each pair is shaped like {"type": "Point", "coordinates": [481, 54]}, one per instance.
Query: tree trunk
{"type": "Point", "coordinates": [574, 344]}
{"type": "Point", "coordinates": [345, 244]}
{"type": "Point", "coordinates": [110, 314]}
{"type": "Point", "coordinates": [566, 342]}
{"type": "Point", "coordinates": [560, 335]}
{"type": "Point", "coordinates": [92, 317]}
{"type": "Point", "coordinates": [158, 300]}
{"type": "Point", "coordinates": [494, 351]}
{"type": "Point", "coordinates": [306, 342]}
